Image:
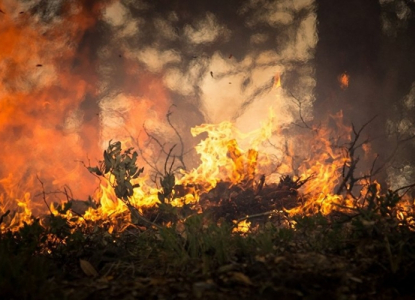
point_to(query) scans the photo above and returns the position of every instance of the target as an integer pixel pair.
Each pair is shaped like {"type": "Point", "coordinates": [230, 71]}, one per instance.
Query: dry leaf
{"type": "Point", "coordinates": [241, 277]}
{"type": "Point", "coordinates": [88, 269]}
{"type": "Point", "coordinates": [260, 259]}
{"type": "Point", "coordinates": [279, 259]}
{"type": "Point", "coordinates": [226, 268]}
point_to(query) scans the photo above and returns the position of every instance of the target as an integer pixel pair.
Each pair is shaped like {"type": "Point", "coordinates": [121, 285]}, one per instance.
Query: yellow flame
{"type": "Point", "coordinates": [242, 226]}
{"type": "Point", "coordinates": [224, 159]}
{"type": "Point", "coordinates": [221, 157]}
{"type": "Point", "coordinates": [277, 81]}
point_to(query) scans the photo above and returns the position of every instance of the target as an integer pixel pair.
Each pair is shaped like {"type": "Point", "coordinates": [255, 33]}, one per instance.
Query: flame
{"type": "Point", "coordinates": [323, 167]}
{"type": "Point", "coordinates": [242, 226]}
{"type": "Point", "coordinates": [222, 159]}
{"type": "Point", "coordinates": [344, 80]}
{"type": "Point", "coordinates": [41, 91]}
{"type": "Point", "coordinates": [277, 81]}
{"type": "Point", "coordinates": [48, 75]}
{"type": "Point", "coordinates": [48, 122]}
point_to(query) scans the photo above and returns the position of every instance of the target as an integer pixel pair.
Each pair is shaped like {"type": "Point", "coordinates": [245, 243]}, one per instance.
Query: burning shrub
{"type": "Point", "coordinates": [121, 168]}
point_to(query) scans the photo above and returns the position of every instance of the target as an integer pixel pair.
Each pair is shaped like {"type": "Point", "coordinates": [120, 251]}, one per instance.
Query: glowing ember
{"type": "Point", "coordinates": [344, 80]}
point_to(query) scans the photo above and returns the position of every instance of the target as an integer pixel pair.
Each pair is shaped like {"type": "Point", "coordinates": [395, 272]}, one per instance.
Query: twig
{"type": "Point", "coordinates": [299, 104]}
{"type": "Point", "coordinates": [180, 157]}
{"type": "Point", "coordinates": [44, 194]}
{"type": "Point", "coordinates": [167, 159]}
{"type": "Point", "coordinates": [154, 167]}
{"type": "Point", "coordinates": [408, 187]}
{"type": "Point", "coordinates": [137, 215]}
{"type": "Point", "coordinates": [256, 216]}
{"type": "Point", "coordinates": [349, 178]}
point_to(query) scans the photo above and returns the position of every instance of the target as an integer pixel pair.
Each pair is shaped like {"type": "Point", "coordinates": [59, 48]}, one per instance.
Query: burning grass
{"type": "Point", "coordinates": [223, 230]}
{"type": "Point", "coordinates": [365, 254]}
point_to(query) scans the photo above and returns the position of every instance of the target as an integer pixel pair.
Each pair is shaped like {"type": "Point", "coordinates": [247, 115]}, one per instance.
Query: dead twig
{"type": "Point", "coordinates": [299, 104]}
{"type": "Point", "coordinates": [406, 187]}
{"type": "Point", "coordinates": [349, 180]}
{"type": "Point", "coordinates": [180, 157]}
{"type": "Point", "coordinates": [162, 146]}
{"type": "Point", "coordinates": [248, 217]}
{"type": "Point", "coordinates": [44, 194]}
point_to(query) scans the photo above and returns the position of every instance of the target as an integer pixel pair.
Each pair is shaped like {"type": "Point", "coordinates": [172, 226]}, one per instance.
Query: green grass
{"type": "Point", "coordinates": [368, 253]}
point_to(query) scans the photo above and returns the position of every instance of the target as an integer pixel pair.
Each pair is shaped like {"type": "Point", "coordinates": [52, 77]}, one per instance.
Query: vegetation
{"type": "Point", "coordinates": [369, 254]}
{"type": "Point", "coordinates": [365, 253]}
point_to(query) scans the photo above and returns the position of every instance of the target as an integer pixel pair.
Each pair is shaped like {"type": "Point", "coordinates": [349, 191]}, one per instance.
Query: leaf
{"type": "Point", "coordinates": [88, 269]}
{"type": "Point", "coordinates": [134, 158]}
{"type": "Point", "coordinates": [120, 191]}
{"type": "Point", "coordinates": [95, 170]}
{"type": "Point", "coordinates": [138, 173]}
{"type": "Point", "coordinates": [127, 160]}
{"type": "Point", "coordinates": [128, 151]}
{"type": "Point", "coordinates": [132, 170]}
{"type": "Point", "coordinates": [240, 277]}
{"type": "Point", "coordinates": [161, 197]}
{"type": "Point", "coordinates": [129, 188]}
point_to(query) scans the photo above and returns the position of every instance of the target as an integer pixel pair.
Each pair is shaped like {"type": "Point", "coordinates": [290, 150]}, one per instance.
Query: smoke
{"type": "Point", "coordinates": [44, 81]}
{"type": "Point", "coordinates": [75, 75]}
{"type": "Point", "coordinates": [216, 62]}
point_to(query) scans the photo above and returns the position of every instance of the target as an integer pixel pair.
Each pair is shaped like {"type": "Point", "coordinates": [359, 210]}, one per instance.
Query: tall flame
{"type": "Point", "coordinates": [221, 157]}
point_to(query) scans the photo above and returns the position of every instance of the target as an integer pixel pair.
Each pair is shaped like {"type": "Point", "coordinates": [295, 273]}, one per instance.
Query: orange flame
{"type": "Point", "coordinates": [48, 76]}
{"type": "Point", "coordinates": [41, 92]}
{"type": "Point", "coordinates": [344, 80]}
{"type": "Point", "coordinates": [277, 81]}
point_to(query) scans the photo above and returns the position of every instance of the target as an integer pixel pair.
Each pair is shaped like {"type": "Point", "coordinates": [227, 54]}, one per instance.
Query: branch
{"type": "Point", "coordinates": [44, 194]}
{"type": "Point", "coordinates": [299, 104]}
{"type": "Point", "coordinates": [407, 187]}
{"type": "Point", "coordinates": [180, 157]}
{"type": "Point", "coordinates": [349, 177]}
{"type": "Point", "coordinates": [256, 216]}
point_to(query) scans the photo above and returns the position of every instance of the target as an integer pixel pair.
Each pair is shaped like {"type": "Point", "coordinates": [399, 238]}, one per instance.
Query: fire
{"type": "Point", "coordinates": [277, 80]}
{"type": "Point", "coordinates": [221, 157]}
{"type": "Point", "coordinates": [324, 166]}
{"type": "Point", "coordinates": [242, 226]}
{"type": "Point", "coordinates": [50, 119]}
{"type": "Point", "coordinates": [44, 130]}
{"type": "Point", "coordinates": [343, 80]}
{"type": "Point", "coordinates": [40, 94]}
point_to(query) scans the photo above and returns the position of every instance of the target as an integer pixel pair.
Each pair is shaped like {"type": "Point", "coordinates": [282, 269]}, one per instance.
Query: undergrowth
{"type": "Point", "coordinates": [358, 254]}
{"type": "Point", "coordinates": [364, 252]}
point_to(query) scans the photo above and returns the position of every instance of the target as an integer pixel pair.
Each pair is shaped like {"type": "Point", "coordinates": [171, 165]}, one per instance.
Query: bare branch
{"type": "Point", "coordinates": [299, 104]}
{"type": "Point", "coordinates": [44, 194]}
{"type": "Point", "coordinates": [180, 157]}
